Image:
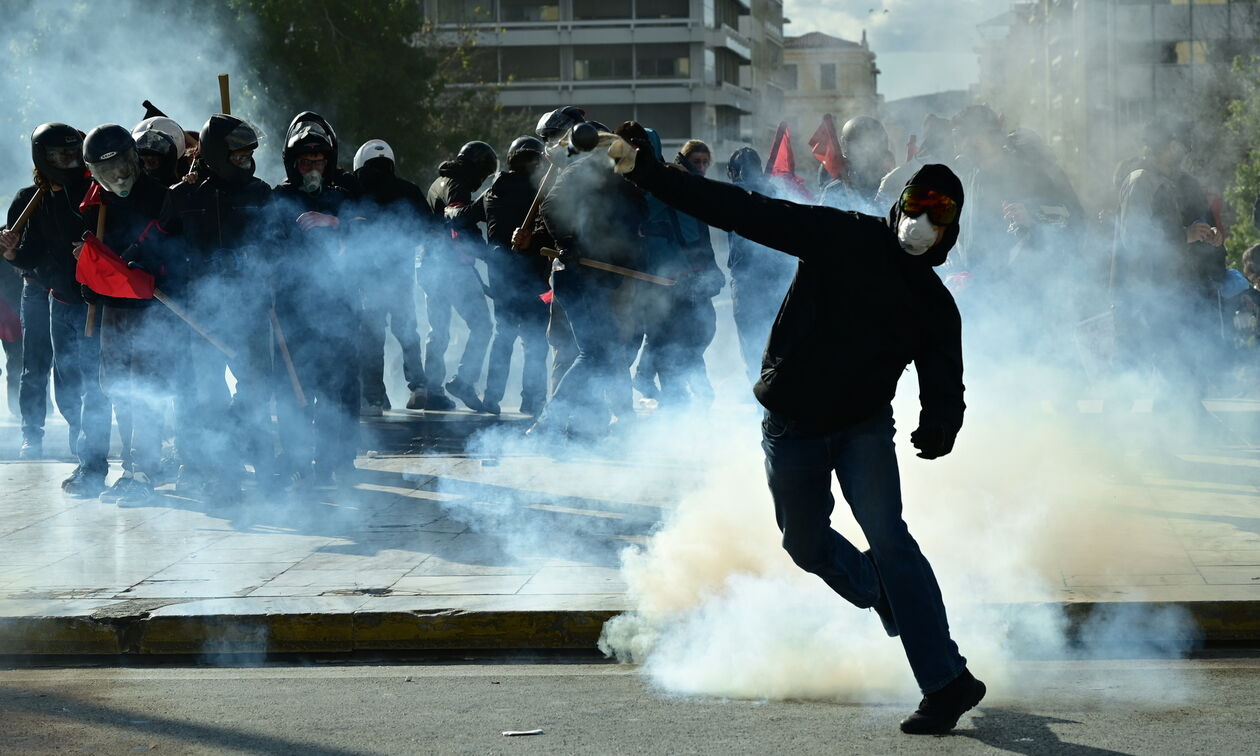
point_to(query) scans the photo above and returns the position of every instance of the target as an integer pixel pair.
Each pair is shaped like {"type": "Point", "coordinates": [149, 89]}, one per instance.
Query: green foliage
{"type": "Point", "coordinates": [1243, 120]}
{"type": "Point", "coordinates": [375, 70]}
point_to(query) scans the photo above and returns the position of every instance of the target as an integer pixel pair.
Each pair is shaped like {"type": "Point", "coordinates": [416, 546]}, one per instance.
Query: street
{"type": "Point", "coordinates": [327, 708]}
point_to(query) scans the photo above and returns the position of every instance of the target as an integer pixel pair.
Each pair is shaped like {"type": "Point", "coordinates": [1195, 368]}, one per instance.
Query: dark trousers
{"type": "Point", "coordinates": [390, 306]}
{"type": "Point", "coordinates": [799, 467]}
{"type": "Point", "coordinates": [13, 374]}
{"type": "Point", "coordinates": [517, 314]}
{"type": "Point", "coordinates": [674, 350]}
{"type": "Point", "coordinates": [78, 361]}
{"type": "Point", "coordinates": [37, 361]}
{"type": "Point", "coordinates": [138, 350]}
{"type": "Point", "coordinates": [580, 402]}
{"type": "Point", "coordinates": [454, 287]}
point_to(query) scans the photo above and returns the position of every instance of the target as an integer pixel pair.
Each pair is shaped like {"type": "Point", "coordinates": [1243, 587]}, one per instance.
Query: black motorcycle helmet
{"type": "Point", "coordinates": [220, 137]}
{"type": "Point", "coordinates": [523, 151]}
{"type": "Point", "coordinates": [309, 132]}
{"type": "Point", "coordinates": [480, 157]}
{"type": "Point", "coordinates": [159, 156]}
{"type": "Point", "coordinates": [57, 151]}
{"type": "Point", "coordinates": [110, 154]}
{"type": "Point", "coordinates": [555, 124]}
{"type": "Point", "coordinates": [744, 167]}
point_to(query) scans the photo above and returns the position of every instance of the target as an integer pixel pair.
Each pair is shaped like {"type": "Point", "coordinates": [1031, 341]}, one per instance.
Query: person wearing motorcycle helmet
{"type": "Point", "coordinates": [160, 144]}
{"type": "Point", "coordinates": [135, 335]}
{"type": "Point", "coordinates": [516, 280]}
{"type": "Point", "coordinates": [556, 123]}
{"type": "Point", "coordinates": [212, 242]}
{"type": "Point", "coordinates": [393, 202]}
{"type": "Point", "coordinates": [317, 300]}
{"type": "Point", "coordinates": [450, 281]}
{"type": "Point", "coordinates": [867, 159]}
{"type": "Point", "coordinates": [43, 253]}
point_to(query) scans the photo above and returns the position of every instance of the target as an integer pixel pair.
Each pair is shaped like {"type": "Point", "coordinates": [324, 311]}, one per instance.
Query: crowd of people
{"type": "Point", "coordinates": [608, 289]}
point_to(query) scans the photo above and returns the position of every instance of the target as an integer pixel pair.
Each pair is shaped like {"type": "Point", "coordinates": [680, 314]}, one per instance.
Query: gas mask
{"type": "Point", "coordinates": [916, 235]}
{"type": "Point", "coordinates": [312, 181]}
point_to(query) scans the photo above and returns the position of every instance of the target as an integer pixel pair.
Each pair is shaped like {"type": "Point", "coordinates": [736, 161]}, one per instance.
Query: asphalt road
{"type": "Point", "coordinates": [330, 709]}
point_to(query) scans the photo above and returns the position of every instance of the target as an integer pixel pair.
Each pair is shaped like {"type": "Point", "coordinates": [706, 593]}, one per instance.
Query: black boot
{"type": "Point", "coordinates": [938, 712]}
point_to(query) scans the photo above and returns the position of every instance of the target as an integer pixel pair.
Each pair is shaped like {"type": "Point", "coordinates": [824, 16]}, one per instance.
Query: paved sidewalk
{"type": "Point", "coordinates": [449, 550]}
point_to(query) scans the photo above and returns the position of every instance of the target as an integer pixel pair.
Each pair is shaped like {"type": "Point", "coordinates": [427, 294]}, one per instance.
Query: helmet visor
{"type": "Point", "coordinates": [63, 158]}
{"type": "Point", "coordinates": [941, 210]}
{"type": "Point", "coordinates": [117, 172]}
{"type": "Point", "coordinates": [243, 137]}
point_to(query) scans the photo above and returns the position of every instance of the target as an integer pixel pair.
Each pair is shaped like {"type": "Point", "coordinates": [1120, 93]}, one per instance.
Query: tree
{"type": "Point", "coordinates": [1243, 120]}
{"type": "Point", "coordinates": [375, 70]}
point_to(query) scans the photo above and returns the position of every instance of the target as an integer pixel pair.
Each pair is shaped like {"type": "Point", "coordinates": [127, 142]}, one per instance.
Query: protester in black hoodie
{"type": "Point", "coordinates": [450, 281]}
{"type": "Point", "coordinates": [47, 248]}
{"type": "Point", "coordinates": [212, 241]}
{"type": "Point", "coordinates": [397, 214]}
{"type": "Point", "coordinates": [864, 305]}
{"type": "Point", "coordinates": [317, 305]}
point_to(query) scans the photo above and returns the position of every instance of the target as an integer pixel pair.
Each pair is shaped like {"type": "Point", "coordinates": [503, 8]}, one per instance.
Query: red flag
{"type": "Point", "coordinates": [105, 273]}
{"type": "Point", "coordinates": [91, 198]}
{"type": "Point", "coordinates": [781, 164]}
{"type": "Point", "coordinates": [826, 147]}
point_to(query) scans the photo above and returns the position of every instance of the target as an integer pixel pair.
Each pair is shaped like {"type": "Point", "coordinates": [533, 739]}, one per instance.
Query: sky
{"type": "Point", "coordinates": [921, 46]}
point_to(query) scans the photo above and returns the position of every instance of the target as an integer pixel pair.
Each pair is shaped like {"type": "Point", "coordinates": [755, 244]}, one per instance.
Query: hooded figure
{"type": "Point", "coordinates": [865, 303]}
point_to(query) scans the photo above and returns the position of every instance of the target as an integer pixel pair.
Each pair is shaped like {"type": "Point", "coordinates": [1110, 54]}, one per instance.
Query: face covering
{"type": "Point", "coordinates": [117, 176]}
{"type": "Point", "coordinates": [312, 181]}
{"type": "Point", "coordinates": [917, 235]}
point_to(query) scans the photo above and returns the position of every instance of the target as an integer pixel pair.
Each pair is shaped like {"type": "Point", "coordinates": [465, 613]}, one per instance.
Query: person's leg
{"type": "Point", "coordinates": [437, 304]}
{"type": "Point", "coordinates": [402, 322]}
{"type": "Point", "coordinates": [13, 375]}
{"type": "Point", "coordinates": [36, 363]}
{"type": "Point", "coordinates": [579, 401]}
{"type": "Point", "coordinates": [866, 465]}
{"type": "Point", "coordinates": [79, 359]}
{"type": "Point", "coordinates": [533, 331]}
{"type": "Point", "coordinates": [469, 299]}
{"type": "Point", "coordinates": [560, 339]}
{"type": "Point", "coordinates": [116, 354]}
{"type": "Point", "coordinates": [798, 470]}
{"type": "Point", "coordinates": [507, 325]}
{"type": "Point", "coordinates": [372, 357]}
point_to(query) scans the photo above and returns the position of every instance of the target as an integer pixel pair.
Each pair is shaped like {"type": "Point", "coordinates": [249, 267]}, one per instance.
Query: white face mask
{"type": "Point", "coordinates": [917, 235]}
{"type": "Point", "coordinates": [312, 181]}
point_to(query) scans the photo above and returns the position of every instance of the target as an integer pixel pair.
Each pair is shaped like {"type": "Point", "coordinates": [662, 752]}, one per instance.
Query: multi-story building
{"type": "Point", "coordinates": [825, 74]}
{"type": "Point", "coordinates": [1087, 74]}
{"type": "Point", "coordinates": [687, 68]}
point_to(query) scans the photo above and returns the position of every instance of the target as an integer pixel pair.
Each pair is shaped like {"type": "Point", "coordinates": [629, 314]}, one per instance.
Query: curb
{"type": "Point", "coordinates": [143, 634]}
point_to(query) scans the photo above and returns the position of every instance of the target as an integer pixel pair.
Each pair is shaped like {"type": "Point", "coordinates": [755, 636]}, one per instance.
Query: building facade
{"type": "Point", "coordinates": [687, 68]}
{"type": "Point", "coordinates": [825, 74]}
{"type": "Point", "coordinates": [1088, 74]}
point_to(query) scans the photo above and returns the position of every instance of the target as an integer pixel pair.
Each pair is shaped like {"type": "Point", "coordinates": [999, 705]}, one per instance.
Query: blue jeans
{"type": "Point", "coordinates": [799, 467]}
{"type": "Point", "coordinates": [580, 401]}
{"type": "Point", "coordinates": [37, 360]}
{"type": "Point", "coordinates": [78, 362]}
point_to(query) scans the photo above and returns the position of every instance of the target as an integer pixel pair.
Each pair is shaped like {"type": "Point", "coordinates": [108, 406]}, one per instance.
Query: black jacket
{"type": "Point", "coordinates": [310, 270]}
{"type": "Point", "coordinates": [593, 213]}
{"type": "Point", "coordinates": [397, 217]}
{"type": "Point", "coordinates": [505, 205]}
{"type": "Point", "coordinates": [47, 246]}
{"type": "Point", "coordinates": [209, 227]}
{"type": "Point", "coordinates": [859, 311]}
{"type": "Point", "coordinates": [453, 188]}
{"type": "Point", "coordinates": [127, 220]}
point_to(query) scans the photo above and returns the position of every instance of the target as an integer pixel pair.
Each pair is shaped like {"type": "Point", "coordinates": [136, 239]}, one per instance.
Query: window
{"type": "Point", "coordinates": [601, 62]}
{"type": "Point", "coordinates": [595, 10]}
{"type": "Point", "coordinates": [662, 61]}
{"type": "Point", "coordinates": [465, 11]}
{"type": "Point", "coordinates": [827, 76]}
{"type": "Point", "coordinates": [530, 63]}
{"type": "Point", "coordinates": [790, 76]}
{"type": "Point", "coordinates": [727, 67]}
{"type": "Point", "coordinates": [662, 9]}
{"type": "Point", "coordinates": [671, 121]}
{"type": "Point", "coordinates": [528, 10]}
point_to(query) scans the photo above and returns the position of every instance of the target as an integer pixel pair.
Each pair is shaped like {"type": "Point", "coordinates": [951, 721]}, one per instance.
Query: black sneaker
{"type": "Point", "coordinates": [531, 408]}
{"type": "Point", "coordinates": [85, 484]}
{"type": "Point", "coordinates": [192, 483]}
{"type": "Point", "coordinates": [138, 490]}
{"type": "Point", "coordinates": [418, 399]}
{"type": "Point", "coordinates": [466, 394]}
{"type": "Point", "coordinates": [439, 402]}
{"type": "Point", "coordinates": [938, 712]}
{"type": "Point", "coordinates": [491, 407]}
{"type": "Point", "coordinates": [112, 494]}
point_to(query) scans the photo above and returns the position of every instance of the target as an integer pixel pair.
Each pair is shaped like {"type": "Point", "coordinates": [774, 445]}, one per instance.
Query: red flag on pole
{"type": "Point", "coordinates": [91, 198]}
{"type": "Point", "coordinates": [104, 272]}
{"type": "Point", "coordinates": [826, 146]}
{"type": "Point", "coordinates": [781, 163]}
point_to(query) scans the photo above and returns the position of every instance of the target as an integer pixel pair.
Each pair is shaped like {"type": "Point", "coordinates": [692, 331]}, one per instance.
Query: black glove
{"type": "Point", "coordinates": [133, 257]}
{"type": "Point", "coordinates": [633, 132]}
{"type": "Point", "coordinates": [932, 441]}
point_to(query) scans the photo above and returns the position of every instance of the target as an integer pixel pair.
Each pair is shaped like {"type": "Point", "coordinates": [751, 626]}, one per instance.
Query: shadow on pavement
{"type": "Point", "coordinates": [1020, 732]}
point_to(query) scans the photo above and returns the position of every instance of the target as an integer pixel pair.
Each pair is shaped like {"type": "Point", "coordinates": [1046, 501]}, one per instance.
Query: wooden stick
{"type": "Point", "coordinates": [224, 97]}
{"type": "Point", "coordinates": [20, 223]}
{"type": "Point", "coordinates": [532, 216]}
{"type": "Point", "coordinates": [600, 265]}
{"type": "Point", "coordinates": [89, 327]}
{"type": "Point", "coordinates": [288, 359]}
{"type": "Point", "coordinates": [183, 315]}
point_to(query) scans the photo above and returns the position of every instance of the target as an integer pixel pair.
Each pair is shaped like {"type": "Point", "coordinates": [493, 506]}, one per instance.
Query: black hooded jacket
{"type": "Point", "coordinates": [395, 207]}
{"type": "Point", "coordinates": [47, 245]}
{"type": "Point", "coordinates": [859, 310]}
{"type": "Point", "coordinates": [127, 221]}
{"type": "Point", "coordinates": [453, 187]}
